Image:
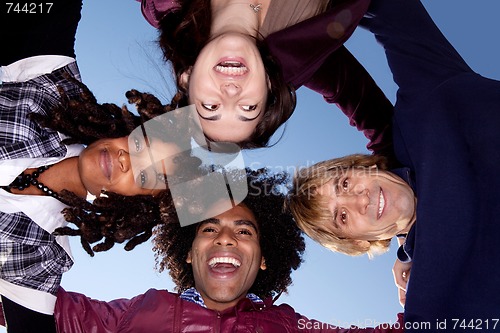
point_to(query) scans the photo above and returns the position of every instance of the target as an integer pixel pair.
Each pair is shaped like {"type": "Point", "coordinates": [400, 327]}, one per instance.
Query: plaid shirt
{"type": "Point", "coordinates": [30, 256]}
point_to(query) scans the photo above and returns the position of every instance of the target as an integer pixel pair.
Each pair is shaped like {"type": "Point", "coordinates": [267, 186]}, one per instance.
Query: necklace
{"type": "Point", "coordinates": [25, 180]}
{"type": "Point", "coordinates": [256, 8]}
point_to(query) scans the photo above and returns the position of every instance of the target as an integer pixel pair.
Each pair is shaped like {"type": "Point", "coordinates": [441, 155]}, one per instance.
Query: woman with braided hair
{"type": "Point", "coordinates": [57, 146]}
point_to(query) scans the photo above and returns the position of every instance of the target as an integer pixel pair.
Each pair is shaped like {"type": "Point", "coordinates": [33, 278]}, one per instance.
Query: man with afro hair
{"type": "Point", "coordinates": [228, 271]}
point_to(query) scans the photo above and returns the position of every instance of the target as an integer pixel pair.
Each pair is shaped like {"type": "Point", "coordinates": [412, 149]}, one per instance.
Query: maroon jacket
{"type": "Point", "coordinates": [161, 311]}
{"type": "Point", "coordinates": [311, 53]}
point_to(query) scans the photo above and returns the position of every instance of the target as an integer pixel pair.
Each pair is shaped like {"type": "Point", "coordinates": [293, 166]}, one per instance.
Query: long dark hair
{"type": "Point", "coordinates": [183, 34]}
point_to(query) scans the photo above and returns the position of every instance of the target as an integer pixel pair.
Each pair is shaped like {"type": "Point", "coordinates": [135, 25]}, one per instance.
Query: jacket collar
{"type": "Point", "coordinates": [251, 301]}
{"type": "Point", "coordinates": [406, 174]}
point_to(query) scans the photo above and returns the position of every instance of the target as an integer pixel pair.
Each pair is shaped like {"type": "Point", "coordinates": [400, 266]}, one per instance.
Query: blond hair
{"type": "Point", "coordinates": [310, 210]}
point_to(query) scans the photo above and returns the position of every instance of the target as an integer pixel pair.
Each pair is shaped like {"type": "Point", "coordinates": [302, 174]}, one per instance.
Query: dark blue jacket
{"type": "Point", "coordinates": [446, 122]}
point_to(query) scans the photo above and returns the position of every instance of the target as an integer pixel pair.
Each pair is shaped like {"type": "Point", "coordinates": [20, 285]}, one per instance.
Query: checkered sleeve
{"type": "Point", "coordinates": [19, 136]}
{"type": "Point", "coordinates": [30, 256]}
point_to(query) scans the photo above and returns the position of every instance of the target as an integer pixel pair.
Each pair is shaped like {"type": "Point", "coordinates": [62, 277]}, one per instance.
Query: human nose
{"type": "Point", "coordinates": [225, 238]}
{"type": "Point", "coordinates": [124, 160]}
{"type": "Point", "coordinates": [230, 89]}
{"type": "Point", "coordinates": [358, 201]}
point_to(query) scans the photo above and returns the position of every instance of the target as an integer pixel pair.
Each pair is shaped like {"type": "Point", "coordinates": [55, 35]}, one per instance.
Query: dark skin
{"type": "Point", "coordinates": [52, 178]}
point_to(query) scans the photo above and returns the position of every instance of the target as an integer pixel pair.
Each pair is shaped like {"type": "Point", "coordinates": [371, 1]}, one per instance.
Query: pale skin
{"type": "Point", "coordinates": [401, 273]}
{"type": "Point", "coordinates": [370, 204]}
{"type": "Point", "coordinates": [228, 83]}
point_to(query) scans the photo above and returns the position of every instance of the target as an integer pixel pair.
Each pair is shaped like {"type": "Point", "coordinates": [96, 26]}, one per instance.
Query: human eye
{"type": "Point", "coordinates": [210, 107]}
{"type": "Point", "coordinates": [137, 144]}
{"type": "Point", "coordinates": [246, 232]}
{"type": "Point", "coordinates": [143, 178]}
{"type": "Point", "coordinates": [208, 229]}
{"type": "Point", "coordinates": [148, 178]}
{"type": "Point", "coordinates": [343, 217]}
{"type": "Point", "coordinates": [345, 184]}
{"type": "Point", "coordinates": [249, 107]}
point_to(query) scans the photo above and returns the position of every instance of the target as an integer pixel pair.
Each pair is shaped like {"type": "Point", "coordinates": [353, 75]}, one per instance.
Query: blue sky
{"type": "Point", "coordinates": [116, 51]}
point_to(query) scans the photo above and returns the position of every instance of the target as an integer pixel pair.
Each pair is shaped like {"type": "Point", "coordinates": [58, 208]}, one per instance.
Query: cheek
{"type": "Point", "coordinates": [126, 186]}
{"type": "Point", "coordinates": [404, 203]}
{"type": "Point", "coordinates": [88, 174]}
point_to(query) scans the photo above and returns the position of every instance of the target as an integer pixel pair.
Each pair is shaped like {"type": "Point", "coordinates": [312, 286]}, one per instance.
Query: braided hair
{"type": "Point", "coordinates": [114, 217]}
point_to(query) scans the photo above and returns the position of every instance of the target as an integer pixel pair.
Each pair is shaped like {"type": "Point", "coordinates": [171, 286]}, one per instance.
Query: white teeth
{"type": "Point", "coordinates": [231, 68]}
{"type": "Point", "coordinates": [231, 63]}
{"type": "Point", "coordinates": [381, 203]}
{"type": "Point", "coordinates": [224, 260]}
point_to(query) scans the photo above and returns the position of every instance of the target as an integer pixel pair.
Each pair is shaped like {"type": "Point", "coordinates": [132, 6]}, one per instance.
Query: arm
{"type": "Point", "coordinates": [78, 313]}
{"type": "Point", "coordinates": [418, 54]}
{"type": "Point", "coordinates": [402, 267]}
{"type": "Point", "coordinates": [401, 272]}
{"type": "Point", "coordinates": [154, 10]}
{"type": "Point", "coordinates": [325, 66]}
{"type": "Point", "coordinates": [302, 48]}
{"type": "Point", "coordinates": [342, 80]}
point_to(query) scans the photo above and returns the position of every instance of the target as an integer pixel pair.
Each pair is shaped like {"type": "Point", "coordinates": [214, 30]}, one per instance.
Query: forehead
{"type": "Point", "coordinates": [355, 173]}
{"type": "Point", "coordinates": [238, 215]}
{"type": "Point", "coordinates": [335, 176]}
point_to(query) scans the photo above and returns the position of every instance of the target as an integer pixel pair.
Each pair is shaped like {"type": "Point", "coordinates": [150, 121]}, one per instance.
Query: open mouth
{"type": "Point", "coordinates": [223, 265]}
{"type": "Point", "coordinates": [230, 67]}
{"type": "Point", "coordinates": [224, 260]}
{"type": "Point", "coordinates": [381, 204]}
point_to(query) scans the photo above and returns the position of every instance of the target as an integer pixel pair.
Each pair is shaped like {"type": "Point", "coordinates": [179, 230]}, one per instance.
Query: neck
{"type": "Point", "coordinates": [235, 16]}
{"type": "Point", "coordinates": [71, 180]}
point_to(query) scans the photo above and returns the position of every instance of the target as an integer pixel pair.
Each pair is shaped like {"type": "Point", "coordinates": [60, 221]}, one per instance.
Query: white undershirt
{"type": "Point", "coordinates": [29, 68]}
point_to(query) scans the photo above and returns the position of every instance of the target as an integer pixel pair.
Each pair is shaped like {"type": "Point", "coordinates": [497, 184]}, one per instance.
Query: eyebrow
{"type": "Point", "coordinates": [216, 117]}
{"type": "Point", "coordinates": [219, 116]}
{"type": "Point", "coordinates": [248, 223]}
{"type": "Point", "coordinates": [335, 184]}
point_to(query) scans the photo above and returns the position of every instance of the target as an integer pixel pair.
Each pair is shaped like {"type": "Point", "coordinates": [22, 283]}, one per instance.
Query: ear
{"type": "Point", "coordinates": [263, 264]}
{"type": "Point", "coordinates": [189, 259]}
{"type": "Point", "coordinates": [184, 79]}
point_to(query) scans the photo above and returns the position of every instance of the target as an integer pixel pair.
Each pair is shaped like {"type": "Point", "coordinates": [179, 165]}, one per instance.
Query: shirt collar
{"type": "Point", "coordinates": [192, 295]}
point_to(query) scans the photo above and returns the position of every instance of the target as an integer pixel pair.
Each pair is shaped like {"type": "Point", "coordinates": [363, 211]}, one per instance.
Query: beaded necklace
{"type": "Point", "coordinates": [25, 180]}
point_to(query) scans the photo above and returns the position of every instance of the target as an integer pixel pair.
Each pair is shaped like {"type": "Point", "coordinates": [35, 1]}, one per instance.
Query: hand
{"type": "Point", "coordinates": [402, 297]}
{"type": "Point", "coordinates": [401, 273]}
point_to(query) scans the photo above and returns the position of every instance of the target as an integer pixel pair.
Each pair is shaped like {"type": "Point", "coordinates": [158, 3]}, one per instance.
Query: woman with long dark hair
{"type": "Point", "coordinates": [240, 62]}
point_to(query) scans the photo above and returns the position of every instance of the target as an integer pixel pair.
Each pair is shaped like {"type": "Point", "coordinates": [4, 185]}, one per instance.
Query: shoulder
{"type": "Point", "coordinates": [275, 317]}
{"type": "Point", "coordinates": [154, 10]}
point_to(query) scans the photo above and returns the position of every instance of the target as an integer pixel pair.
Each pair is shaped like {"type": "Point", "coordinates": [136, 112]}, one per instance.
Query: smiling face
{"type": "Point", "coordinates": [226, 257]}
{"type": "Point", "coordinates": [369, 204]}
{"type": "Point", "coordinates": [228, 85]}
{"type": "Point", "coordinates": [105, 165]}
